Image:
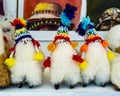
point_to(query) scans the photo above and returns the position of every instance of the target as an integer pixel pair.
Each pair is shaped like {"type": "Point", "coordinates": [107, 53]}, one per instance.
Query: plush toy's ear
{"type": "Point", "coordinates": [51, 47]}
{"type": "Point", "coordinates": [74, 44]}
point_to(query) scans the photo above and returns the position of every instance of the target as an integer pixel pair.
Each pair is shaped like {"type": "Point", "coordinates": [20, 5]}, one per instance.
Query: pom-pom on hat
{"type": "Point", "coordinates": [66, 16]}
{"type": "Point", "coordinates": [86, 28]}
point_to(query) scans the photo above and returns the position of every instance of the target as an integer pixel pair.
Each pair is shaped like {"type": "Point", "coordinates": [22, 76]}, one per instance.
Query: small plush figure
{"type": "Point", "coordinates": [64, 61]}
{"type": "Point", "coordinates": [25, 61]}
{"type": "Point", "coordinates": [8, 31]}
{"type": "Point", "coordinates": [4, 53]}
{"type": "Point", "coordinates": [113, 37]}
{"type": "Point", "coordinates": [96, 53]}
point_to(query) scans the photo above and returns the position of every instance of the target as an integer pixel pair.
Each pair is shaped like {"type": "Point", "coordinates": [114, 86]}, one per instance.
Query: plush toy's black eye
{"type": "Point", "coordinates": [5, 30]}
{"type": "Point", "coordinates": [64, 41]}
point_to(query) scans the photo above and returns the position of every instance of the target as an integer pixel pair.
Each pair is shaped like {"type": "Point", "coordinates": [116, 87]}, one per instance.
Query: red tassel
{"type": "Point", "coordinates": [5, 39]}
{"type": "Point", "coordinates": [12, 49]}
{"type": "Point", "coordinates": [47, 62]}
{"type": "Point", "coordinates": [77, 58]}
{"type": "Point", "coordinates": [35, 43]}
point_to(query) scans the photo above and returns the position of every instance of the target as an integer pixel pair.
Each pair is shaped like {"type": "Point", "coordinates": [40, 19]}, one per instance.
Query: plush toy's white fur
{"type": "Point", "coordinates": [26, 68]}
{"type": "Point", "coordinates": [2, 46]}
{"type": "Point", "coordinates": [98, 65]}
{"type": "Point", "coordinates": [113, 37]}
{"type": "Point", "coordinates": [115, 71]}
{"type": "Point", "coordinates": [8, 31]}
{"type": "Point", "coordinates": [63, 68]}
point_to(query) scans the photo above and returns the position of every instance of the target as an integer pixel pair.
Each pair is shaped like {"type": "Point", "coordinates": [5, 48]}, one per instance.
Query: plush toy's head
{"type": "Point", "coordinates": [62, 34]}
{"type": "Point", "coordinates": [86, 28]}
{"type": "Point", "coordinates": [20, 31]}
{"type": "Point", "coordinates": [113, 37]}
{"type": "Point", "coordinates": [8, 31]}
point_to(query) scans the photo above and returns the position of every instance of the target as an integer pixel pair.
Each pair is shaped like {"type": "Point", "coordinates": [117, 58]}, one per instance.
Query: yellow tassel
{"type": "Point", "coordinates": [10, 62]}
{"type": "Point", "coordinates": [51, 47]}
{"type": "Point", "coordinates": [111, 55]}
{"type": "Point", "coordinates": [83, 65]}
{"type": "Point", "coordinates": [38, 56]}
{"type": "Point", "coordinates": [74, 44]}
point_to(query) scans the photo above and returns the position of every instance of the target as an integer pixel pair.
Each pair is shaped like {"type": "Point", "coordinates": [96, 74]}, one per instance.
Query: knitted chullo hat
{"type": "Point", "coordinates": [86, 28]}
{"type": "Point", "coordinates": [62, 33]}
{"type": "Point", "coordinates": [20, 30]}
{"type": "Point", "coordinates": [66, 16]}
{"type": "Point", "coordinates": [21, 33]}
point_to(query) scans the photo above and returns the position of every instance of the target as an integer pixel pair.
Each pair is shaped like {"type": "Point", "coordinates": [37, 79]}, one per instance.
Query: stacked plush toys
{"type": "Point", "coordinates": [96, 53]}
{"type": "Point", "coordinates": [64, 61]}
{"type": "Point", "coordinates": [25, 58]}
{"type": "Point", "coordinates": [113, 37]}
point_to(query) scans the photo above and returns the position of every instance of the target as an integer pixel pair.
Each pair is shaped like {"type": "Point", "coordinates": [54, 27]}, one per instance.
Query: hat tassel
{"type": "Point", "coordinates": [10, 62]}
{"type": "Point", "coordinates": [38, 55]}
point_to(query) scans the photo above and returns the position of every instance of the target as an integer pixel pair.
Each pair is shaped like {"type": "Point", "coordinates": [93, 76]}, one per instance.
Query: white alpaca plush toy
{"type": "Point", "coordinates": [113, 37]}
{"type": "Point", "coordinates": [64, 61]}
{"type": "Point", "coordinates": [8, 31]}
{"type": "Point", "coordinates": [96, 53]}
{"type": "Point", "coordinates": [25, 59]}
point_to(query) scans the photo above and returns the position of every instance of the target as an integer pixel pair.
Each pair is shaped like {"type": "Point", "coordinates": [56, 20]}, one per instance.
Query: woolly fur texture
{"type": "Point", "coordinates": [113, 37]}
{"type": "Point", "coordinates": [4, 53]}
{"type": "Point", "coordinates": [98, 65]}
{"type": "Point", "coordinates": [63, 68]}
{"type": "Point", "coordinates": [115, 71]}
{"type": "Point", "coordinates": [26, 69]}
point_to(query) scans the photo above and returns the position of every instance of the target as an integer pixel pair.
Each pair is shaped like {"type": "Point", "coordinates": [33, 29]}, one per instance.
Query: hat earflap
{"type": "Point", "coordinates": [38, 55]}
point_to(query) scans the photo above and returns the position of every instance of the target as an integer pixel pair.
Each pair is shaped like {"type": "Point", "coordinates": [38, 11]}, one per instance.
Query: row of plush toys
{"type": "Point", "coordinates": [25, 63]}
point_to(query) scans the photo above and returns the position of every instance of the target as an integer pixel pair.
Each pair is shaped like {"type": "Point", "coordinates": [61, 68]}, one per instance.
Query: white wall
{"type": "Point", "coordinates": [10, 9]}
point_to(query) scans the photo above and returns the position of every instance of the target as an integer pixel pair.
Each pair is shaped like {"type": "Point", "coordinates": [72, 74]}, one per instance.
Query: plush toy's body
{"type": "Point", "coordinates": [98, 65]}
{"type": "Point", "coordinates": [113, 37]}
{"type": "Point", "coordinates": [26, 69]}
{"type": "Point", "coordinates": [115, 73]}
{"type": "Point", "coordinates": [63, 67]}
{"type": "Point", "coordinates": [25, 61]}
{"type": "Point", "coordinates": [4, 53]}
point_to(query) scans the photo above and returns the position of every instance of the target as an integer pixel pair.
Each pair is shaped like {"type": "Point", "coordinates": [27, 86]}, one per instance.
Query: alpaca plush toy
{"type": "Point", "coordinates": [25, 59]}
{"type": "Point", "coordinates": [64, 61]}
{"type": "Point", "coordinates": [4, 53]}
{"type": "Point", "coordinates": [8, 31]}
{"type": "Point", "coordinates": [113, 37]}
{"type": "Point", "coordinates": [96, 53]}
